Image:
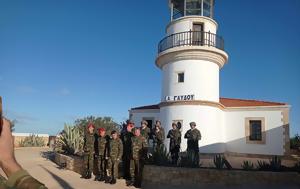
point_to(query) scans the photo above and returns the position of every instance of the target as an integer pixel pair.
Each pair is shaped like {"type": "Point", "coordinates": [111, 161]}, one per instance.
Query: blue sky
{"type": "Point", "coordinates": [62, 59]}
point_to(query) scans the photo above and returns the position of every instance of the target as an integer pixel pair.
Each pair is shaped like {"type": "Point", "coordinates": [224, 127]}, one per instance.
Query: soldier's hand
{"type": "Point", "coordinates": [7, 157]}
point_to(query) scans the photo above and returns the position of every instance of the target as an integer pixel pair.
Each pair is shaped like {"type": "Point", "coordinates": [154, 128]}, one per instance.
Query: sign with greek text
{"type": "Point", "coordinates": [180, 98]}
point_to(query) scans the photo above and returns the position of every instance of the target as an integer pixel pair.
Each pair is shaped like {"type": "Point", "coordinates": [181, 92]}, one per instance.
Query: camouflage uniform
{"type": "Point", "coordinates": [102, 150]}
{"type": "Point", "coordinates": [175, 139]}
{"type": "Point", "coordinates": [139, 152]}
{"type": "Point", "coordinates": [126, 139]}
{"type": "Point", "coordinates": [145, 132]}
{"type": "Point", "coordinates": [115, 152]}
{"type": "Point", "coordinates": [159, 138]}
{"type": "Point", "coordinates": [89, 151]}
{"type": "Point", "coordinates": [20, 180]}
{"type": "Point", "coordinates": [193, 136]}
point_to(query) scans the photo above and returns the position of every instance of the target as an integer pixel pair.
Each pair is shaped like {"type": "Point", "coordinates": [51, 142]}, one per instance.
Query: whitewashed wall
{"type": "Point", "coordinates": [235, 132]}
{"type": "Point", "coordinates": [137, 116]}
{"type": "Point", "coordinates": [201, 78]}
{"type": "Point", "coordinates": [208, 119]}
{"type": "Point", "coordinates": [186, 24]}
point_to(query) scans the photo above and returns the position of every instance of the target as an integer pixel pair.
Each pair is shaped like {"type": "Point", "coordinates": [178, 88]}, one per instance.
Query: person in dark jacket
{"type": "Point", "coordinates": [175, 139]}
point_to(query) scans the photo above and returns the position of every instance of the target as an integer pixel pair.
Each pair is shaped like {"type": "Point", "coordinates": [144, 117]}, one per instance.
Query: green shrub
{"type": "Point", "coordinates": [32, 141]}
{"type": "Point", "coordinates": [219, 161]}
{"type": "Point", "coordinates": [247, 165]}
{"type": "Point", "coordinates": [295, 142]}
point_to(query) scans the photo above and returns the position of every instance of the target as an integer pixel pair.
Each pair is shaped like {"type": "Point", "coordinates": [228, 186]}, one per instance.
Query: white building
{"type": "Point", "coordinates": [190, 58]}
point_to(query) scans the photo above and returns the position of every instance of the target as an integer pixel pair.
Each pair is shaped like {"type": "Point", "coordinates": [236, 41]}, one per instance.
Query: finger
{"type": "Point", "coordinates": [6, 130]}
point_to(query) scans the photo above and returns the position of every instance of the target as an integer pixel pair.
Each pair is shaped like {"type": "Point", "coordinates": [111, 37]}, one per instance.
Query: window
{"type": "Point", "coordinates": [255, 130]}
{"type": "Point", "coordinates": [180, 77]}
{"type": "Point", "coordinates": [193, 7]}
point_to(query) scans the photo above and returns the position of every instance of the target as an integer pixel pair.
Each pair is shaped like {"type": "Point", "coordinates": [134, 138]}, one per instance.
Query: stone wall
{"type": "Point", "coordinates": [177, 177]}
{"type": "Point", "coordinates": [73, 163]}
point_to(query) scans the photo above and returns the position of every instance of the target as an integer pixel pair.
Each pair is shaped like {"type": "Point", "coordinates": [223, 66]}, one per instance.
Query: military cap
{"type": "Point", "coordinates": [192, 124]}
{"type": "Point", "coordinates": [144, 122]}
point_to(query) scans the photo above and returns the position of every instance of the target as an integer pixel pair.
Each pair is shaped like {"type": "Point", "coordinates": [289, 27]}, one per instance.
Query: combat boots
{"type": "Point", "coordinates": [89, 175]}
{"type": "Point", "coordinates": [97, 178]}
{"type": "Point", "coordinates": [130, 182]}
{"type": "Point", "coordinates": [108, 179]}
{"type": "Point", "coordinates": [102, 178]}
{"type": "Point", "coordinates": [113, 181]}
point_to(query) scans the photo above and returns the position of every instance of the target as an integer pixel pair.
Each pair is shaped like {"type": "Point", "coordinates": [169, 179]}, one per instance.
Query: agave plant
{"type": "Point", "coordinates": [161, 156]}
{"type": "Point", "coordinates": [219, 161]}
{"type": "Point", "coordinates": [263, 165]}
{"type": "Point", "coordinates": [70, 141]}
{"type": "Point", "coordinates": [247, 165]}
{"type": "Point", "coordinates": [275, 163]}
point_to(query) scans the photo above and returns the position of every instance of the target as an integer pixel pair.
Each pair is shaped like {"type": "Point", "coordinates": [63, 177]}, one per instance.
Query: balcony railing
{"type": "Point", "coordinates": [191, 38]}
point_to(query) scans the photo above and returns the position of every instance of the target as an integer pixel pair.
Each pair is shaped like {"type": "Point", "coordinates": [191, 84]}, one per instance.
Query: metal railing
{"type": "Point", "coordinates": [191, 38]}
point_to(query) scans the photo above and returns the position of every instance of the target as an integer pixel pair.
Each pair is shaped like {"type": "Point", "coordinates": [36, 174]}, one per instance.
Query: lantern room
{"type": "Point", "coordinates": [181, 8]}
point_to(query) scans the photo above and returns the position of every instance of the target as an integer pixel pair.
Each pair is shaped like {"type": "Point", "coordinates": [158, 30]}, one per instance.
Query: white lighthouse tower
{"type": "Point", "coordinates": [190, 57]}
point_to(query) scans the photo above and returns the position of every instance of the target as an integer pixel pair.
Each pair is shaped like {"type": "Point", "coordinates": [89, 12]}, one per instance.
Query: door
{"type": "Point", "coordinates": [197, 34]}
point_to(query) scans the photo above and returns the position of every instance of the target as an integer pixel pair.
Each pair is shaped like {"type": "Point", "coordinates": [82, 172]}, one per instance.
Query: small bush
{"type": "Point", "coordinates": [297, 167]}
{"type": "Point", "coordinates": [275, 164]}
{"type": "Point", "coordinates": [160, 157]}
{"type": "Point", "coordinates": [219, 161]}
{"type": "Point", "coordinates": [247, 165]}
{"type": "Point", "coordinates": [32, 141]}
{"type": "Point", "coordinates": [295, 142]}
{"type": "Point", "coordinates": [188, 160]}
{"type": "Point", "coordinates": [263, 165]}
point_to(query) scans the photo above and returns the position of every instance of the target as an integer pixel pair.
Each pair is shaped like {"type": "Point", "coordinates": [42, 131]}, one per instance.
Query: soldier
{"type": "Point", "coordinates": [159, 135]}
{"type": "Point", "coordinates": [139, 152]}
{"type": "Point", "coordinates": [17, 177]}
{"type": "Point", "coordinates": [126, 139]}
{"type": "Point", "coordinates": [145, 130]}
{"type": "Point", "coordinates": [114, 155]}
{"type": "Point", "coordinates": [102, 150]}
{"type": "Point", "coordinates": [89, 151]}
{"type": "Point", "coordinates": [175, 139]}
{"type": "Point", "coordinates": [193, 136]}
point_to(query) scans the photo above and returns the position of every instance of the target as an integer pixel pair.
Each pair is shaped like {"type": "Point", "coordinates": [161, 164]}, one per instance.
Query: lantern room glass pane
{"type": "Point", "coordinates": [207, 8]}
{"type": "Point", "coordinates": [193, 7]}
{"type": "Point", "coordinates": [178, 9]}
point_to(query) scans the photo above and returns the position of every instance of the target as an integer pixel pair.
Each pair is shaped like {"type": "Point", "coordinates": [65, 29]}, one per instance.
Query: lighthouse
{"type": "Point", "coordinates": [190, 57]}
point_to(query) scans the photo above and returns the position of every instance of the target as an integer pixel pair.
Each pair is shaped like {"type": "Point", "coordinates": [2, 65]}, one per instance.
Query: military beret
{"type": "Point", "coordinates": [192, 124]}
{"type": "Point", "coordinates": [91, 125]}
{"type": "Point", "coordinates": [101, 129]}
{"type": "Point", "coordinates": [144, 122]}
{"type": "Point", "coordinates": [113, 132]}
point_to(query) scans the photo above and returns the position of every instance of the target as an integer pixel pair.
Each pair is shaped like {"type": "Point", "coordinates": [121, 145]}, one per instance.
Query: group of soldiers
{"type": "Point", "coordinates": [131, 147]}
